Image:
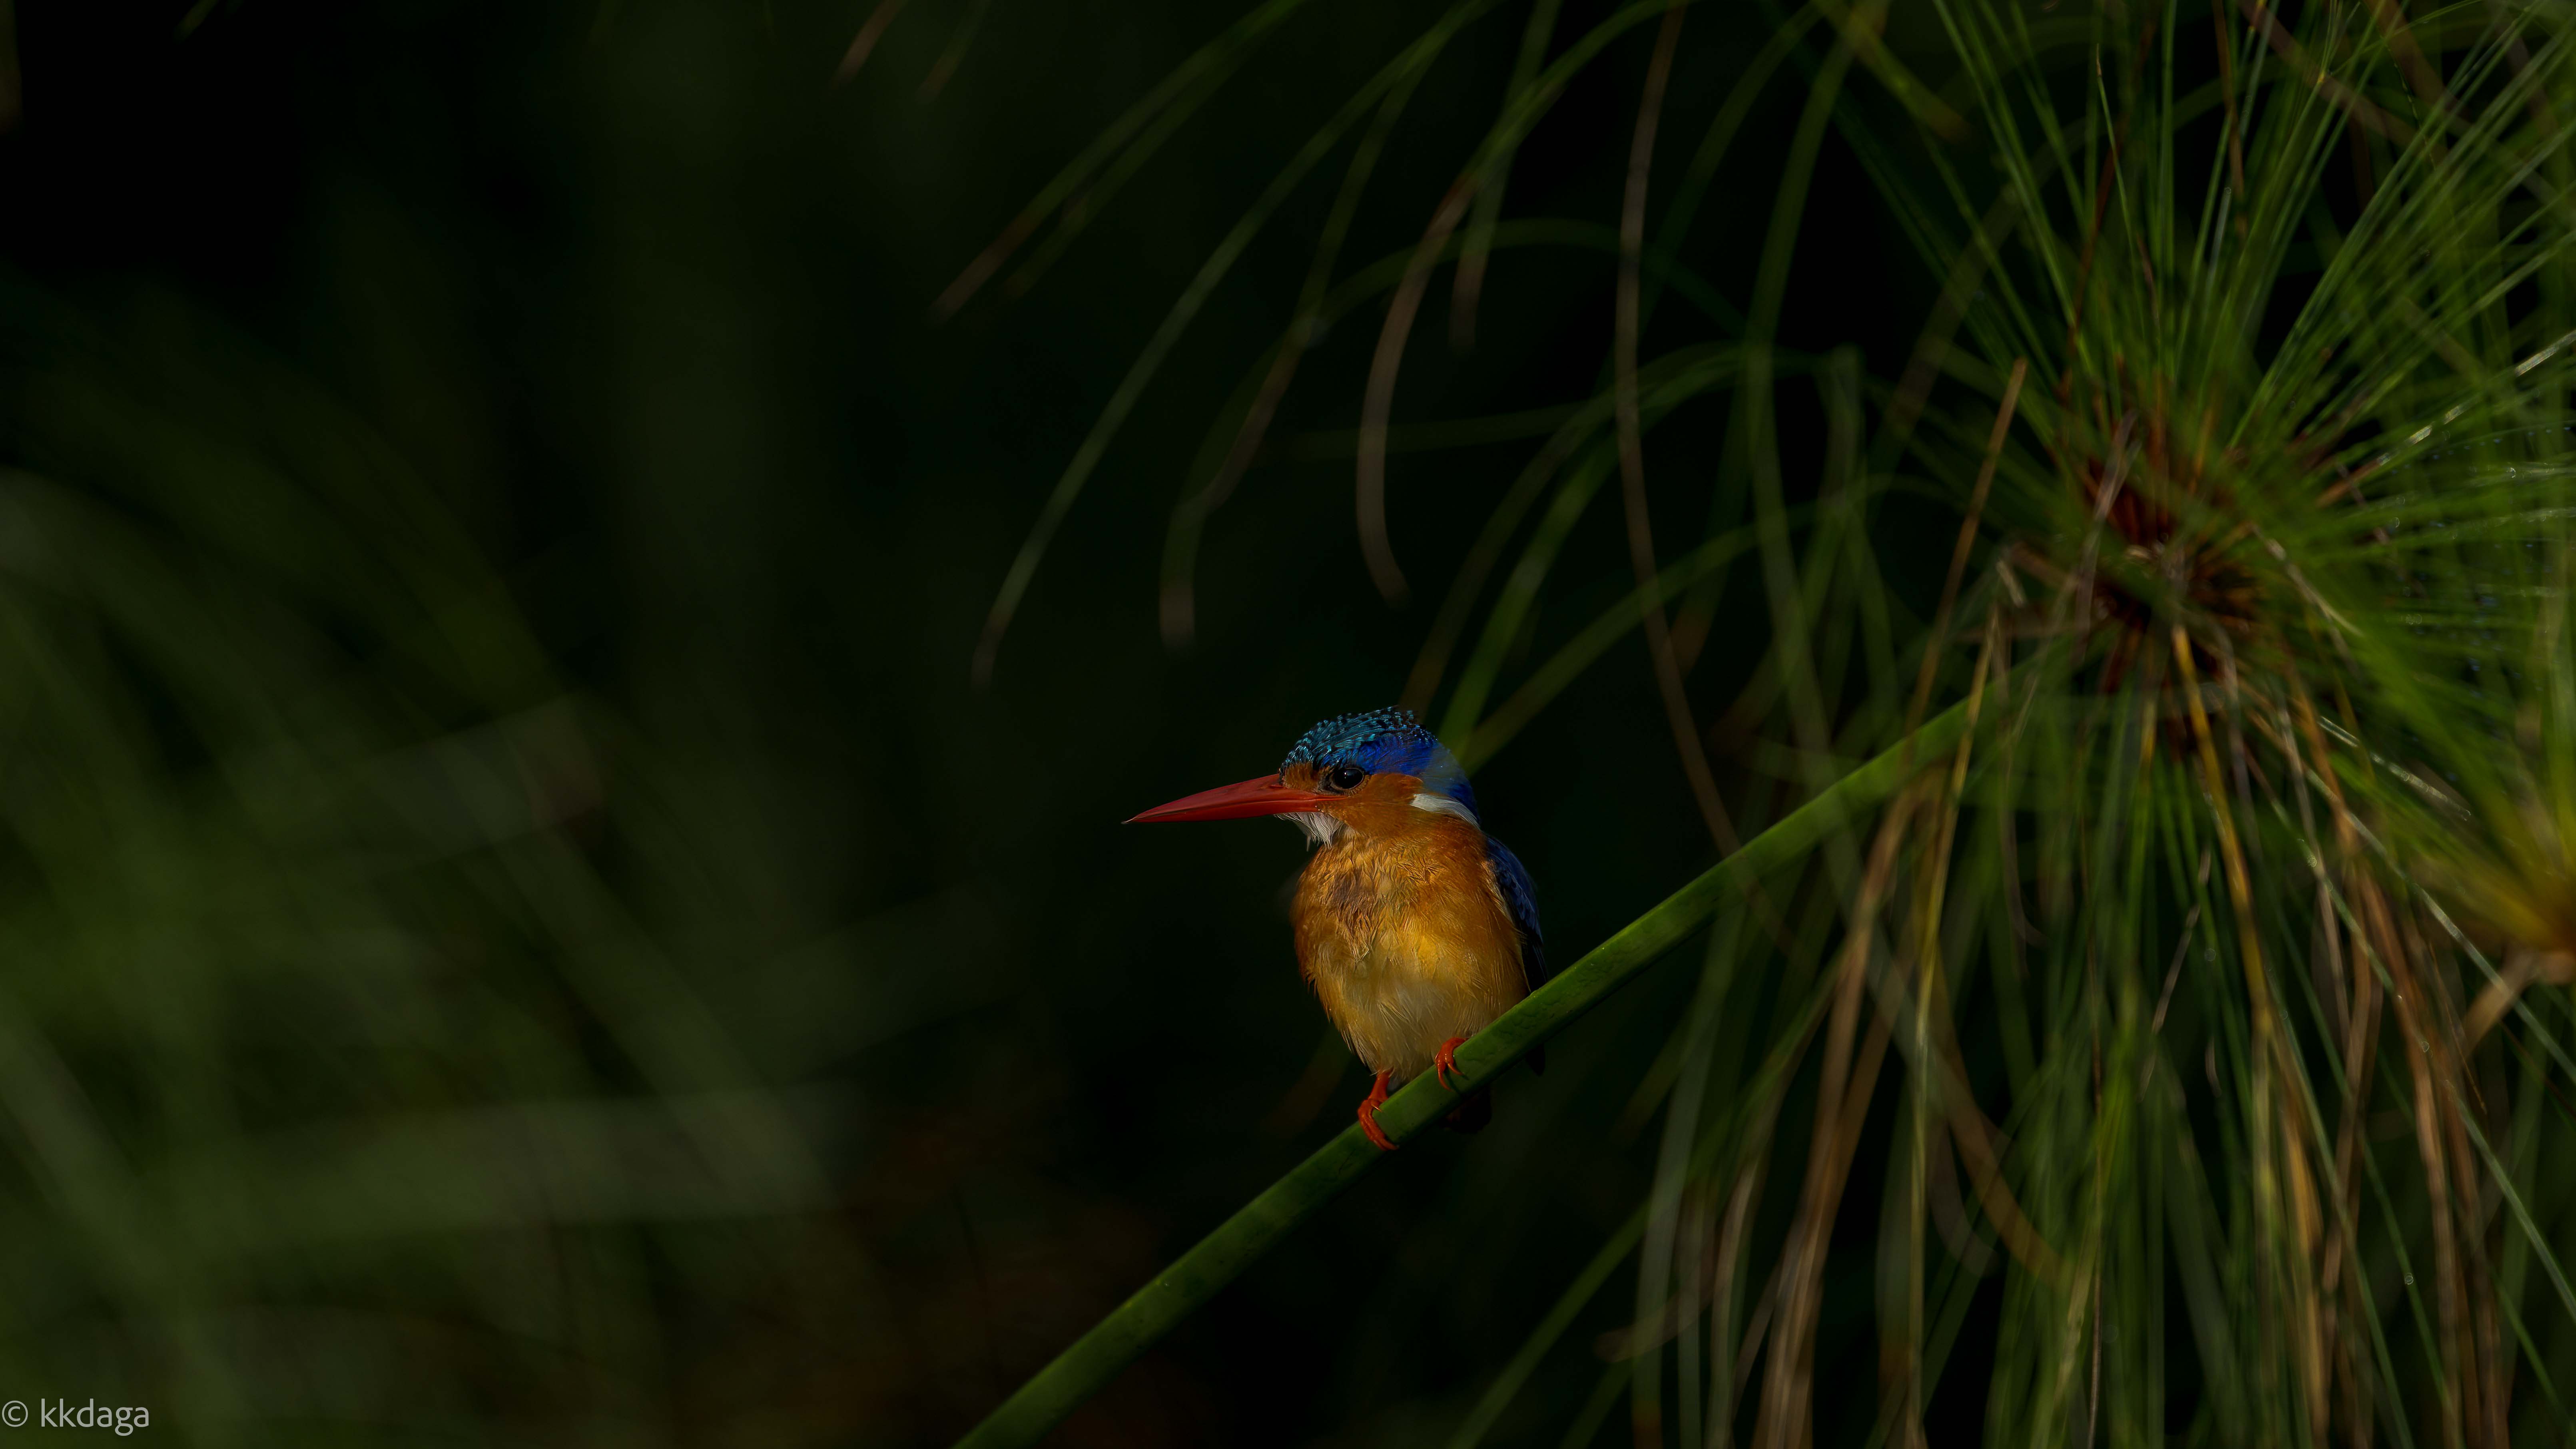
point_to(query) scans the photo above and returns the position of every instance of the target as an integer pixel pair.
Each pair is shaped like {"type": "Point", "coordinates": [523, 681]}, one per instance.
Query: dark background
{"type": "Point", "coordinates": [624, 317]}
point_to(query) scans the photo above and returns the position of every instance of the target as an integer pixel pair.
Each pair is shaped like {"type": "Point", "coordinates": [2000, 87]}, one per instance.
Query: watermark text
{"type": "Point", "coordinates": [118, 1419]}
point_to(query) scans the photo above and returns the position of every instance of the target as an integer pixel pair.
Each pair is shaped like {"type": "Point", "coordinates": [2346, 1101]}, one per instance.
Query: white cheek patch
{"type": "Point", "coordinates": [1319, 827]}
{"type": "Point", "coordinates": [1443, 805]}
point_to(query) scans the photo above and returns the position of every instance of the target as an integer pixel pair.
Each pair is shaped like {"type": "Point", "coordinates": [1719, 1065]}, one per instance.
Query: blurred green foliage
{"type": "Point", "coordinates": [521, 929]}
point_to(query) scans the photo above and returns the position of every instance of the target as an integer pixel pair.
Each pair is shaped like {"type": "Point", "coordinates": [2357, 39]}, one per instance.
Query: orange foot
{"type": "Point", "coordinates": [1445, 1061]}
{"type": "Point", "coordinates": [1368, 1114]}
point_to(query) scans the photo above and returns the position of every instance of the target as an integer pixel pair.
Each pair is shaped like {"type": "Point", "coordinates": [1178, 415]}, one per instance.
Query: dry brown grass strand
{"type": "Point", "coordinates": [1966, 541]}
{"type": "Point", "coordinates": [1978, 1140]}
{"type": "Point", "coordinates": [2356, 997]}
{"type": "Point", "coordinates": [2281, 1171]}
{"type": "Point", "coordinates": [1377, 403]}
{"type": "Point", "coordinates": [1932, 344]}
{"type": "Point", "coordinates": [1726, 1379]}
{"type": "Point", "coordinates": [1467, 287]}
{"type": "Point", "coordinates": [1900, 1354]}
{"type": "Point", "coordinates": [2460, 1408]}
{"type": "Point", "coordinates": [2524, 968]}
{"type": "Point", "coordinates": [1785, 1421]}
{"type": "Point", "coordinates": [2363, 111]}
{"type": "Point", "coordinates": [2475, 1372]}
{"type": "Point", "coordinates": [865, 42]}
{"type": "Point", "coordinates": [1632, 452]}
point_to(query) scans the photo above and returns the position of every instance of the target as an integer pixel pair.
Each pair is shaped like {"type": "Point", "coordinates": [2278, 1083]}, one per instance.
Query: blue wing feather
{"type": "Point", "coordinates": [1521, 899]}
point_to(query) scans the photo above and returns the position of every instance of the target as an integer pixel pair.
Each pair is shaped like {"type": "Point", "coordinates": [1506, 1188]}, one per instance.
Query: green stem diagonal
{"type": "Point", "coordinates": [1197, 1275]}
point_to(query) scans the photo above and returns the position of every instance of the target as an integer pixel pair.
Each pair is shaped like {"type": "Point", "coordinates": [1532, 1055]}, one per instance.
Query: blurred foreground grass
{"type": "Point", "coordinates": [518, 929]}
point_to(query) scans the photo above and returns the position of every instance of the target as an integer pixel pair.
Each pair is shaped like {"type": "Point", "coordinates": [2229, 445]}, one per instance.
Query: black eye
{"type": "Point", "coordinates": [1344, 777]}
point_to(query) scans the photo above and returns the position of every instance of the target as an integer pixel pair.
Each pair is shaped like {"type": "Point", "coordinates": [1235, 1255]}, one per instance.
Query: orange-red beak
{"type": "Point", "coordinates": [1265, 796]}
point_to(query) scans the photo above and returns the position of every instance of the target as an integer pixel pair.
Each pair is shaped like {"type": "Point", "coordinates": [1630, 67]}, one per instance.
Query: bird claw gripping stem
{"type": "Point", "coordinates": [1368, 1114]}
{"type": "Point", "coordinates": [1445, 1061]}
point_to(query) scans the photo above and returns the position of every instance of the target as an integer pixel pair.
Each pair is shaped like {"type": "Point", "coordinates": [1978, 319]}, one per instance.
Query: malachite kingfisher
{"type": "Point", "coordinates": [1415, 927]}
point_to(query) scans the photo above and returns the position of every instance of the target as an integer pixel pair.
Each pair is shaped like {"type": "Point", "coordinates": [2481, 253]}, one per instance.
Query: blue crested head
{"type": "Point", "coordinates": [1384, 741]}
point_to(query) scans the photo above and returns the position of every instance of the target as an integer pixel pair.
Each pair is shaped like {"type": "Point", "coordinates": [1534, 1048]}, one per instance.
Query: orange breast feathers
{"type": "Point", "coordinates": [1401, 928]}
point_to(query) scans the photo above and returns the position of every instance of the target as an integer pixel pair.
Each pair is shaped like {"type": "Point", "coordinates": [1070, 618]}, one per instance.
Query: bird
{"type": "Point", "coordinates": [1415, 927]}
